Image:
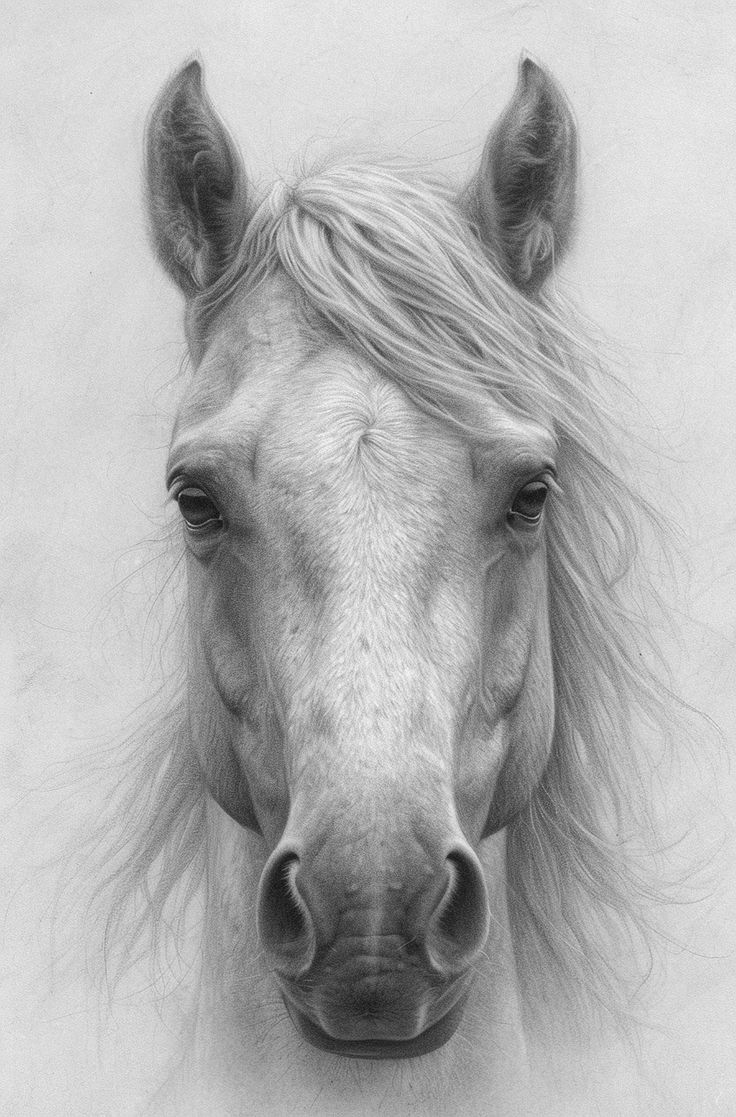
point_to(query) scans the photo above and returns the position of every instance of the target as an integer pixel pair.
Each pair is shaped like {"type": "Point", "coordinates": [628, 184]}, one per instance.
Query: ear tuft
{"type": "Point", "coordinates": [196, 185]}
{"type": "Point", "coordinates": [522, 199]}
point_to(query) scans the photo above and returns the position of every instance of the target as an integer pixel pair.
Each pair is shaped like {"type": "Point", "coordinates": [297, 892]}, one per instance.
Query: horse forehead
{"type": "Point", "coordinates": [273, 396]}
{"type": "Point", "coordinates": [340, 418]}
{"type": "Point", "coordinates": [365, 490]}
{"type": "Point", "coordinates": [266, 360]}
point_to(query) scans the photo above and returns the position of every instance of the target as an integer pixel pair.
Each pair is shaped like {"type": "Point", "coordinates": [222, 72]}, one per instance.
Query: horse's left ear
{"type": "Point", "coordinates": [522, 200]}
{"type": "Point", "coordinates": [196, 184]}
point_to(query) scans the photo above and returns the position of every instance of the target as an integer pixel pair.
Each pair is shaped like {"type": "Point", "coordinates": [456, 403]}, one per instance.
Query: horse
{"type": "Point", "coordinates": [405, 779]}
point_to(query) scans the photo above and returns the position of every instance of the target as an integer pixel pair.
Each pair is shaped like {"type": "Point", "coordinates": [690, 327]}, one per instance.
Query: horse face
{"type": "Point", "coordinates": [371, 677]}
{"type": "Point", "coordinates": [370, 659]}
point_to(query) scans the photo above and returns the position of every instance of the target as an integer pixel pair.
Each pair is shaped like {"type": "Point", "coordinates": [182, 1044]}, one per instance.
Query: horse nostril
{"type": "Point", "coordinates": [284, 923]}
{"type": "Point", "coordinates": [459, 925]}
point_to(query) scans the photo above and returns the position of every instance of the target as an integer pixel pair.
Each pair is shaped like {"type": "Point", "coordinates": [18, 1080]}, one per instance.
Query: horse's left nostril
{"type": "Point", "coordinates": [459, 925]}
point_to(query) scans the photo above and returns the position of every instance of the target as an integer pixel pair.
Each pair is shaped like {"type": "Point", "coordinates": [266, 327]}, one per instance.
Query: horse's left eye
{"type": "Point", "coordinates": [199, 512]}
{"type": "Point", "coordinates": [529, 502]}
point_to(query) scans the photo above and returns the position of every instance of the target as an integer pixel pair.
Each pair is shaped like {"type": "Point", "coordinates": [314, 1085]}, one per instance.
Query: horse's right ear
{"type": "Point", "coordinates": [196, 186]}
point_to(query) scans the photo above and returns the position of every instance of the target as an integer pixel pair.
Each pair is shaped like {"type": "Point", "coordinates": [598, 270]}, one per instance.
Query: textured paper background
{"type": "Point", "coordinates": [91, 341]}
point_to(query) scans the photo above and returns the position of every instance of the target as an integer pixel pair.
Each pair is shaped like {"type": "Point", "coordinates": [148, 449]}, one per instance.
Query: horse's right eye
{"type": "Point", "coordinates": [199, 512]}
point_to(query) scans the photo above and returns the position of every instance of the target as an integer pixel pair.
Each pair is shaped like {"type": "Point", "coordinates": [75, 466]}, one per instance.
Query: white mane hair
{"type": "Point", "coordinates": [390, 263]}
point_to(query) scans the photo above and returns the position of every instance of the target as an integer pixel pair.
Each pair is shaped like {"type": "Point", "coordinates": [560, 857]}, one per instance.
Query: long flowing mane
{"type": "Point", "coordinates": [387, 261]}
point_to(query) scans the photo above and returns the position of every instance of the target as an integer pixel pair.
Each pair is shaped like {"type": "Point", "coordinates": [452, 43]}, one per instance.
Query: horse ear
{"type": "Point", "coordinates": [522, 199]}
{"type": "Point", "coordinates": [196, 187]}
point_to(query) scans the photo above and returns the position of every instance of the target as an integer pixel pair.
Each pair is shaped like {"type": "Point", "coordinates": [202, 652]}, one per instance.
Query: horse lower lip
{"type": "Point", "coordinates": [429, 1040]}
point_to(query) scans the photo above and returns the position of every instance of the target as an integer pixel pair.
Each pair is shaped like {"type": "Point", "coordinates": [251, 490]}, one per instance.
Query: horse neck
{"type": "Point", "coordinates": [246, 1046]}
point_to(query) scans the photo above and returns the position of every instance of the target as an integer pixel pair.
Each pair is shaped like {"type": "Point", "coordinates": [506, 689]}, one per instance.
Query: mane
{"type": "Point", "coordinates": [389, 263]}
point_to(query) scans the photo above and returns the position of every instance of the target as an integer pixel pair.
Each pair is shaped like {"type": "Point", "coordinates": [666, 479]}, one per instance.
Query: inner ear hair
{"type": "Point", "coordinates": [196, 186]}
{"type": "Point", "coordinates": [522, 199]}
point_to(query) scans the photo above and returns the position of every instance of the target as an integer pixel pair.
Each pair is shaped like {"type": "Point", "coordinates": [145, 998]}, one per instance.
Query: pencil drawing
{"type": "Point", "coordinates": [405, 778]}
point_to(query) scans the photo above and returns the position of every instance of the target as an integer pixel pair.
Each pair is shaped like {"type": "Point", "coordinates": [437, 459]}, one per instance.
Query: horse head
{"type": "Point", "coordinates": [371, 677]}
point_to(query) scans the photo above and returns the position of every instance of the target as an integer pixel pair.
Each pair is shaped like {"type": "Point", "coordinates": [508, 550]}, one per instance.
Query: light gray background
{"type": "Point", "coordinates": [91, 341]}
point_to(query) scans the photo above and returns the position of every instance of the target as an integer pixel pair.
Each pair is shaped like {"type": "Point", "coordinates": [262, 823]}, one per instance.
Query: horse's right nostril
{"type": "Point", "coordinates": [284, 923]}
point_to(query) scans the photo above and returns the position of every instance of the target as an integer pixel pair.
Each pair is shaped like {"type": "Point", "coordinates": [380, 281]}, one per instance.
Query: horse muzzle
{"type": "Point", "coordinates": [374, 965]}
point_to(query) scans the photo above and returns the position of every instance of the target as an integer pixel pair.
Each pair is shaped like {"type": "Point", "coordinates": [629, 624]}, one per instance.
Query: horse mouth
{"type": "Point", "coordinates": [428, 1040]}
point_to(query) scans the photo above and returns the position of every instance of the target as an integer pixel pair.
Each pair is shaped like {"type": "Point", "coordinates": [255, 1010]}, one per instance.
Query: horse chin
{"type": "Point", "coordinates": [362, 1038]}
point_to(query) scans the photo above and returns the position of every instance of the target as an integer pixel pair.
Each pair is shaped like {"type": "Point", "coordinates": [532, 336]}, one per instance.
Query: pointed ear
{"type": "Point", "coordinates": [522, 200]}
{"type": "Point", "coordinates": [196, 187]}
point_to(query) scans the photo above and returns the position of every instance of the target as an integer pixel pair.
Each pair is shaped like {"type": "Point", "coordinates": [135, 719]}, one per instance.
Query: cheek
{"type": "Point", "coordinates": [235, 726]}
{"type": "Point", "coordinates": [506, 743]}
{"type": "Point", "coordinates": [530, 729]}
{"type": "Point", "coordinates": [221, 646]}
{"type": "Point", "coordinates": [514, 619]}
{"type": "Point", "coordinates": [480, 757]}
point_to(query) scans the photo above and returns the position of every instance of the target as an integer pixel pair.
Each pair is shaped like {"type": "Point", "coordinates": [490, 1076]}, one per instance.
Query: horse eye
{"type": "Point", "coordinates": [529, 502]}
{"type": "Point", "coordinates": [199, 512]}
